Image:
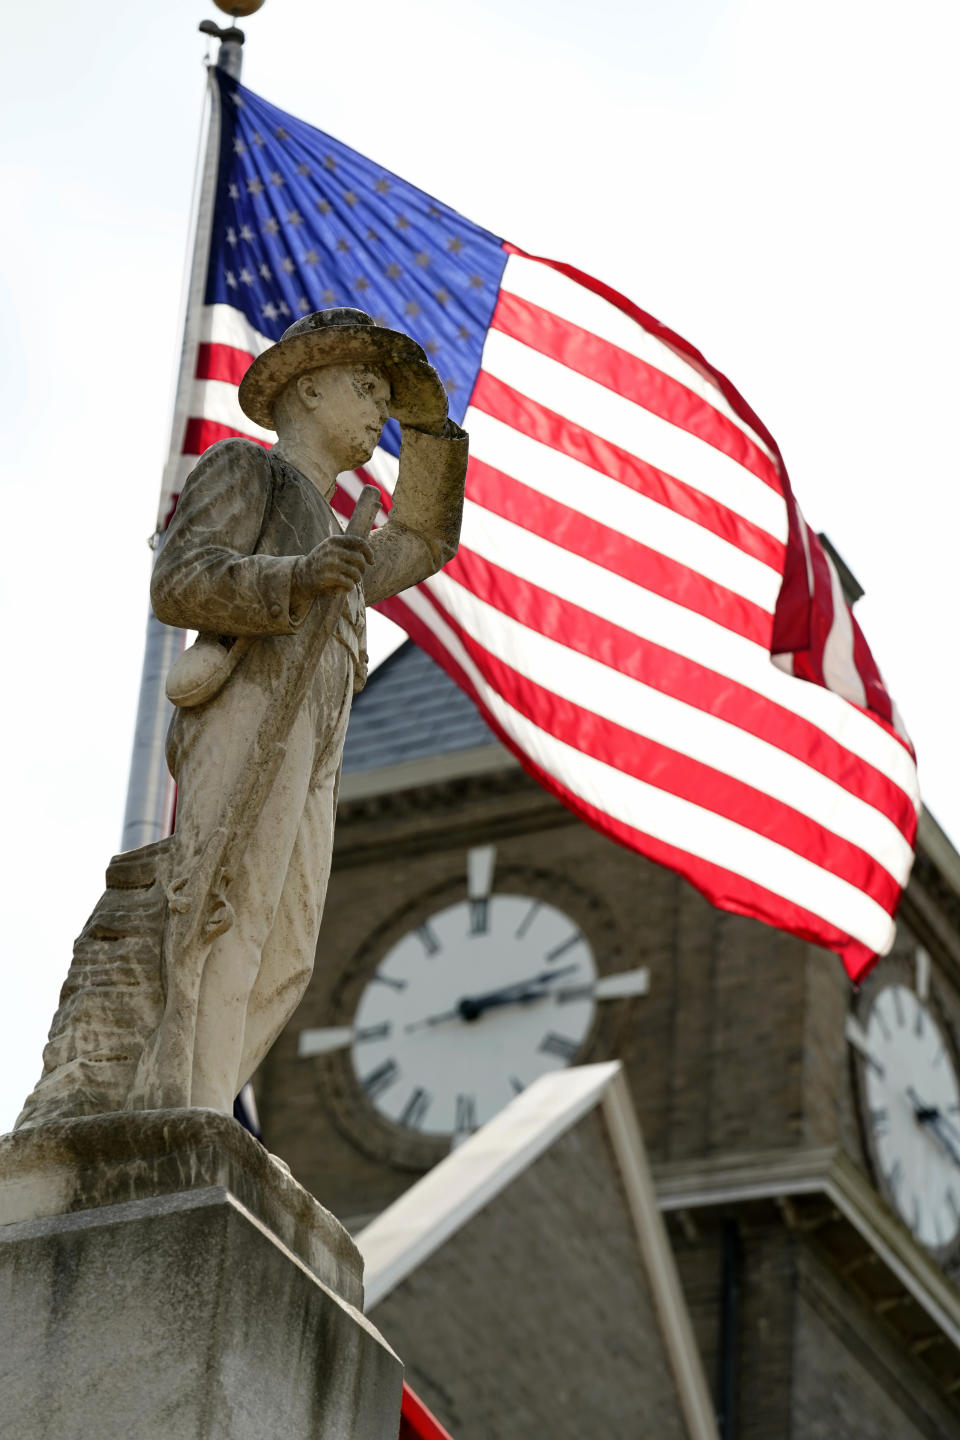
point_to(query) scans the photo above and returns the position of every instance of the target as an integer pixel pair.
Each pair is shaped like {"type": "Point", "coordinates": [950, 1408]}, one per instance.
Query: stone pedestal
{"type": "Point", "coordinates": [162, 1277]}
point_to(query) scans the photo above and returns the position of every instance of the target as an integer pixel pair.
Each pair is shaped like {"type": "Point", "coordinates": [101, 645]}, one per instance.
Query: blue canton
{"type": "Point", "coordinates": [302, 222]}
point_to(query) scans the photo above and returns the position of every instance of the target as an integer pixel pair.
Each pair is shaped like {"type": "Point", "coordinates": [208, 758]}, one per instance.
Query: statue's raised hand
{"type": "Point", "coordinates": [333, 567]}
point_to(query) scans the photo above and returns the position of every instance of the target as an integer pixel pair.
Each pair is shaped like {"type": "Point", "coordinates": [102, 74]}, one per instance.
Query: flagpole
{"type": "Point", "coordinates": [148, 815]}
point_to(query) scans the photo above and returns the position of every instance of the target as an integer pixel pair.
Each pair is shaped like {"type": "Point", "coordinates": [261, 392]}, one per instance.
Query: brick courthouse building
{"type": "Point", "coordinates": [815, 1259]}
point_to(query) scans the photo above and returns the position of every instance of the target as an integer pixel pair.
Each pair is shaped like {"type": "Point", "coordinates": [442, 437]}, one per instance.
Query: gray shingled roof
{"type": "Point", "coordinates": [410, 709]}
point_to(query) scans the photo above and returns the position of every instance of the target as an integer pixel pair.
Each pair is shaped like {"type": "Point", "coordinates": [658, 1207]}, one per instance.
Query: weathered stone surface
{"type": "Point", "coordinates": [84, 1164]}
{"type": "Point", "coordinates": [163, 1276]}
{"type": "Point", "coordinates": [112, 996]}
{"type": "Point", "coordinates": [176, 1318]}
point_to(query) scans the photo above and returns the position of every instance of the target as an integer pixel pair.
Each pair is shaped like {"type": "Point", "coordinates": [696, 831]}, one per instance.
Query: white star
{"type": "Point", "coordinates": [238, 100]}
{"type": "Point", "coordinates": [270, 310]}
{"type": "Point", "coordinates": [231, 235]}
{"type": "Point", "coordinates": [284, 308]}
{"type": "Point", "coordinates": [276, 178]}
{"type": "Point", "coordinates": [234, 193]}
{"type": "Point", "coordinates": [266, 272]}
{"type": "Point", "coordinates": [246, 233]}
{"type": "Point", "coordinates": [258, 138]}
{"type": "Point", "coordinates": [246, 276]}
{"type": "Point", "coordinates": [303, 304]}
{"type": "Point", "coordinates": [287, 265]}
{"type": "Point", "coordinates": [231, 280]}
{"type": "Point", "coordinates": [238, 147]}
{"type": "Point", "coordinates": [254, 186]}
{"type": "Point", "coordinates": [271, 227]}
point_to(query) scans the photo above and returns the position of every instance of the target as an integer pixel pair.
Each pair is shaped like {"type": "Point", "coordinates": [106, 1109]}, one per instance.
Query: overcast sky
{"type": "Point", "coordinates": [776, 182]}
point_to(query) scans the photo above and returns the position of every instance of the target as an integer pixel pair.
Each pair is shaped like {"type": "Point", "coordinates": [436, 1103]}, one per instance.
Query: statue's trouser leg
{"type": "Point", "coordinates": [287, 960]}
{"type": "Point", "coordinates": [234, 960]}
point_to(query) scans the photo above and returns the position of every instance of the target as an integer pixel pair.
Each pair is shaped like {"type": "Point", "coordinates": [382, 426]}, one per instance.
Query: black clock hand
{"type": "Point", "coordinates": [940, 1127]}
{"type": "Point", "coordinates": [521, 992]}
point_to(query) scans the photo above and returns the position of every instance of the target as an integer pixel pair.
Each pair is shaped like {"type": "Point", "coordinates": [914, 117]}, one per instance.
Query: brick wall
{"type": "Point", "coordinates": [535, 1321]}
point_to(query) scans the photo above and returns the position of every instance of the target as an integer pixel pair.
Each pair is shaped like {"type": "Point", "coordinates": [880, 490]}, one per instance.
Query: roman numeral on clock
{"type": "Point", "coordinates": [466, 1114]}
{"type": "Point", "coordinates": [416, 1108]}
{"type": "Point", "coordinates": [479, 916]}
{"type": "Point", "coordinates": [380, 1079]}
{"type": "Point", "coordinates": [559, 1045]}
{"type": "Point", "coordinates": [427, 939]}
{"type": "Point", "coordinates": [879, 1119]}
{"type": "Point", "coordinates": [564, 946]}
{"type": "Point", "coordinates": [480, 863]}
{"type": "Point", "coordinates": [372, 1032]}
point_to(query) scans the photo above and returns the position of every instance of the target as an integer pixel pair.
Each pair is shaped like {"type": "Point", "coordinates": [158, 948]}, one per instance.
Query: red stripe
{"type": "Point", "coordinates": [791, 624]}
{"type": "Point", "coordinates": [877, 696]}
{"type": "Point", "coordinates": [222, 362]}
{"type": "Point", "coordinates": [723, 888]}
{"type": "Point", "coordinates": [631, 377]}
{"type": "Point", "coordinates": [689, 352]}
{"type": "Point", "coordinates": [611, 550]}
{"type": "Point", "coordinates": [719, 886]}
{"type": "Point", "coordinates": [821, 609]}
{"type": "Point", "coordinates": [677, 774]}
{"type": "Point", "coordinates": [201, 434]}
{"type": "Point", "coordinates": [416, 1421]}
{"type": "Point", "coordinates": [684, 679]}
{"type": "Point", "coordinates": [547, 427]}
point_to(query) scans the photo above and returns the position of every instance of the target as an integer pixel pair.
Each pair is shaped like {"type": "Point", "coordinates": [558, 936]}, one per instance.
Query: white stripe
{"type": "Point", "coordinates": [613, 417]}
{"type": "Point", "coordinates": [223, 325]}
{"type": "Point", "coordinates": [609, 693]}
{"type": "Point", "coordinates": [217, 400]}
{"type": "Point", "coordinates": [663, 622]}
{"type": "Point", "coordinates": [568, 482]}
{"type": "Point", "coordinates": [384, 468]}
{"type": "Point", "coordinates": [351, 483]}
{"type": "Point", "coordinates": [673, 821]}
{"type": "Point", "coordinates": [559, 477]}
{"type": "Point", "coordinates": [839, 670]}
{"type": "Point", "coordinates": [542, 285]}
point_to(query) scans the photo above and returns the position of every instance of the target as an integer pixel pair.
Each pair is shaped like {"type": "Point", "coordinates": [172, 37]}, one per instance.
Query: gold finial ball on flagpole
{"type": "Point", "coordinates": [238, 8]}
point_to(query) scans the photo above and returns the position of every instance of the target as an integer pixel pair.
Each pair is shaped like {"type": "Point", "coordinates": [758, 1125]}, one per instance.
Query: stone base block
{"type": "Point", "coordinates": [180, 1315]}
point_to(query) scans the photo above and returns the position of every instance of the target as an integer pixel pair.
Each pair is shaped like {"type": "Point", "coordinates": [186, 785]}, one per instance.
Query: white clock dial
{"type": "Point", "coordinates": [913, 1111]}
{"type": "Point", "coordinates": [470, 1007]}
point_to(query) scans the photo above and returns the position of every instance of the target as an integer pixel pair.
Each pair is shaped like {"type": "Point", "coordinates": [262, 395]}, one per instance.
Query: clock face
{"type": "Point", "coordinates": [460, 1000]}
{"type": "Point", "coordinates": [912, 1111]}
{"type": "Point", "coordinates": [467, 1009]}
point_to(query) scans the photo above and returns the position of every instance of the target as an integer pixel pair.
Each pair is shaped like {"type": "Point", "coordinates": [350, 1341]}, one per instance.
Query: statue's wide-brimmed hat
{"type": "Point", "coordinates": [345, 337]}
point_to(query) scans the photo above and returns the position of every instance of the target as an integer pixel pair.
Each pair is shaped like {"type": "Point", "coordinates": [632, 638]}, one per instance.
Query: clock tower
{"type": "Point", "coordinates": [805, 1138]}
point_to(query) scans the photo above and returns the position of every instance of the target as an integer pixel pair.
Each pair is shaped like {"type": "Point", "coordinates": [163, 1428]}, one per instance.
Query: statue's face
{"type": "Point", "coordinates": [346, 409]}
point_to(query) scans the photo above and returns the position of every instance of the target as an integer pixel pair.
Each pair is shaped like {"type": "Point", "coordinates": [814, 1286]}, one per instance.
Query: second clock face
{"type": "Point", "coordinates": [466, 1010]}
{"type": "Point", "coordinates": [913, 1112]}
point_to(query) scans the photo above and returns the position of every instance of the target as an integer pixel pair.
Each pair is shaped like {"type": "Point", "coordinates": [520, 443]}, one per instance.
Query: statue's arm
{"type": "Point", "coordinates": [423, 531]}
{"type": "Point", "coordinates": [207, 576]}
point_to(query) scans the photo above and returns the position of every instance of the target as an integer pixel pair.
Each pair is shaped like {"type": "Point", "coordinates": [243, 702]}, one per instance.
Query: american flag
{"type": "Point", "coordinates": [638, 608]}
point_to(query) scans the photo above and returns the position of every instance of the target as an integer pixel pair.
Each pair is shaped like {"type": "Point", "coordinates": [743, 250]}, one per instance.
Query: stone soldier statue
{"type": "Point", "coordinates": [256, 561]}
